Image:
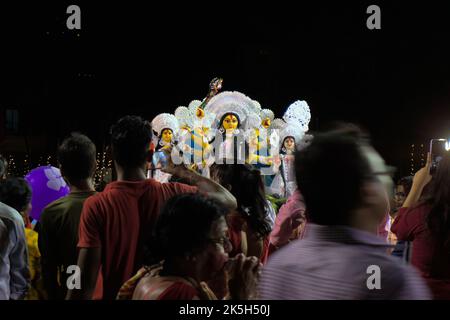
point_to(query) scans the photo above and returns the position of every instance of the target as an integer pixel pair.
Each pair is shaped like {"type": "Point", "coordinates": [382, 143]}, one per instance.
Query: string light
{"type": "Point", "coordinates": [21, 165]}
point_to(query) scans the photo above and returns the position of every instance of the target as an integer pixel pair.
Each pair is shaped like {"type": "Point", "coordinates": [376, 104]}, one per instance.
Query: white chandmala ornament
{"type": "Point", "coordinates": [291, 138]}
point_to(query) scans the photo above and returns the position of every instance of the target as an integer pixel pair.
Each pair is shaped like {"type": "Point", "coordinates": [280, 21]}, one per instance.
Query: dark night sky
{"type": "Point", "coordinates": [131, 58]}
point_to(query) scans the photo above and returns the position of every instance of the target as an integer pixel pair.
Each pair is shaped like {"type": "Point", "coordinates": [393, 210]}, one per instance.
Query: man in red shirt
{"type": "Point", "coordinates": [117, 222]}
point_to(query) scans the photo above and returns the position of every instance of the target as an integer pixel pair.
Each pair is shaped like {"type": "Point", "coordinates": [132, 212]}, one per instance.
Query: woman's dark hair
{"type": "Point", "coordinates": [130, 141]}
{"type": "Point", "coordinates": [438, 220]}
{"type": "Point", "coordinates": [406, 182]}
{"type": "Point", "coordinates": [330, 173]}
{"type": "Point", "coordinates": [16, 193]}
{"type": "Point", "coordinates": [248, 188]}
{"type": "Point", "coordinates": [183, 227]}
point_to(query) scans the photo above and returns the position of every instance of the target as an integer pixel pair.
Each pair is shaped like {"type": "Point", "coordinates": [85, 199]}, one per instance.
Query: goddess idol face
{"type": "Point", "coordinates": [289, 144]}
{"type": "Point", "coordinates": [230, 122]}
{"type": "Point", "coordinates": [167, 135]}
{"type": "Point", "coordinates": [266, 123]}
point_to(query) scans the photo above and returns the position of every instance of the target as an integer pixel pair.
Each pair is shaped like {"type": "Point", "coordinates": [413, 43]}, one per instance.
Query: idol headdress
{"type": "Point", "coordinates": [295, 123]}
{"type": "Point", "coordinates": [298, 113]}
{"type": "Point", "coordinates": [230, 102]}
{"type": "Point", "coordinates": [165, 121]}
{"type": "Point", "coordinates": [245, 109]}
{"type": "Point", "coordinates": [185, 118]}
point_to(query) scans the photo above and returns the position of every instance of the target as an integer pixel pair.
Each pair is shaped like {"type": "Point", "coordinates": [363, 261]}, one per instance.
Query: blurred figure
{"type": "Point", "coordinates": [116, 223]}
{"type": "Point", "coordinates": [59, 222]}
{"type": "Point", "coordinates": [193, 248]}
{"type": "Point", "coordinates": [401, 191]}
{"type": "Point", "coordinates": [343, 181]}
{"type": "Point", "coordinates": [3, 167]}
{"type": "Point", "coordinates": [427, 224]}
{"type": "Point", "coordinates": [250, 224]}
{"type": "Point", "coordinates": [14, 272]}
{"type": "Point", "coordinates": [16, 193]}
{"type": "Point", "coordinates": [290, 221]}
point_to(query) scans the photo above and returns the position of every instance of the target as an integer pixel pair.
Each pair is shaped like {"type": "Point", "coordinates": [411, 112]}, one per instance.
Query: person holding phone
{"type": "Point", "coordinates": [117, 222]}
{"type": "Point", "coordinates": [426, 222]}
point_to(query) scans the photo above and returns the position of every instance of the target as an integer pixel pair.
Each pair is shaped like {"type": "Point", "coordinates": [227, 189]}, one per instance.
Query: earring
{"type": "Point", "coordinates": [221, 130]}
{"type": "Point", "coordinates": [236, 131]}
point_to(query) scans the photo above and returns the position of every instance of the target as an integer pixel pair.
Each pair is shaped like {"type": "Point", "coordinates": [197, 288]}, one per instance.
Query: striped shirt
{"type": "Point", "coordinates": [338, 263]}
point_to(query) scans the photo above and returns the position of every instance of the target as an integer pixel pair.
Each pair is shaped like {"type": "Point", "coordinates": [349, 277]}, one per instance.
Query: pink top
{"type": "Point", "coordinates": [289, 218]}
{"type": "Point", "coordinates": [428, 255]}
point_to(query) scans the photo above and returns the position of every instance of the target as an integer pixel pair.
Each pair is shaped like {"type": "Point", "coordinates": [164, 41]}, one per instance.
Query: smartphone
{"type": "Point", "coordinates": [438, 147]}
{"type": "Point", "coordinates": [159, 160]}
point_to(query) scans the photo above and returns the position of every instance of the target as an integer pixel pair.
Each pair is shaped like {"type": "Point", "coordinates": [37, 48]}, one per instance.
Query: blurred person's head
{"type": "Point", "coordinates": [16, 193]}
{"type": "Point", "coordinates": [344, 181]}
{"type": "Point", "coordinates": [77, 159]}
{"type": "Point", "coordinates": [130, 142]}
{"type": "Point", "coordinates": [247, 186]}
{"type": "Point", "coordinates": [191, 236]}
{"type": "Point", "coordinates": [401, 191]}
{"type": "Point", "coordinates": [438, 197]}
{"type": "Point", "coordinates": [3, 167]}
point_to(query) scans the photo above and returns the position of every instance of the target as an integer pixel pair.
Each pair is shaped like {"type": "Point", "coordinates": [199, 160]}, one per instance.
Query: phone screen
{"type": "Point", "coordinates": [437, 151]}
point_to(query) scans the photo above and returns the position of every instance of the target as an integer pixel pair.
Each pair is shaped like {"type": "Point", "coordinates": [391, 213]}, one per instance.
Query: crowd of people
{"type": "Point", "coordinates": [221, 200]}
{"type": "Point", "coordinates": [220, 237]}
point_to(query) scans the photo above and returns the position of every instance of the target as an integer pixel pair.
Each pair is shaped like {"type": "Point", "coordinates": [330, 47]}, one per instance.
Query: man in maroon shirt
{"type": "Point", "coordinates": [118, 221]}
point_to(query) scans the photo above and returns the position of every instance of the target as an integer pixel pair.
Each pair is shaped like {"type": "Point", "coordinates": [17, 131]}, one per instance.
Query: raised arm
{"type": "Point", "coordinates": [421, 179]}
{"type": "Point", "coordinates": [204, 185]}
{"type": "Point", "coordinates": [90, 250]}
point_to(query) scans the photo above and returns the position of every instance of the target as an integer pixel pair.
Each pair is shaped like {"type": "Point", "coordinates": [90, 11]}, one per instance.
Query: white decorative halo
{"type": "Point", "coordinates": [267, 113]}
{"type": "Point", "coordinates": [253, 121]}
{"type": "Point", "coordinates": [255, 107]}
{"type": "Point", "coordinates": [230, 102]}
{"type": "Point", "coordinates": [299, 114]}
{"type": "Point", "coordinates": [208, 120]}
{"type": "Point", "coordinates": [184, 117]}
{"type": "Point", "coordinates": [277, 124]}
{"type": "Point", "coordinates": [165, 121]}
{"type": "Point", "coordinates": [193, 105]}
